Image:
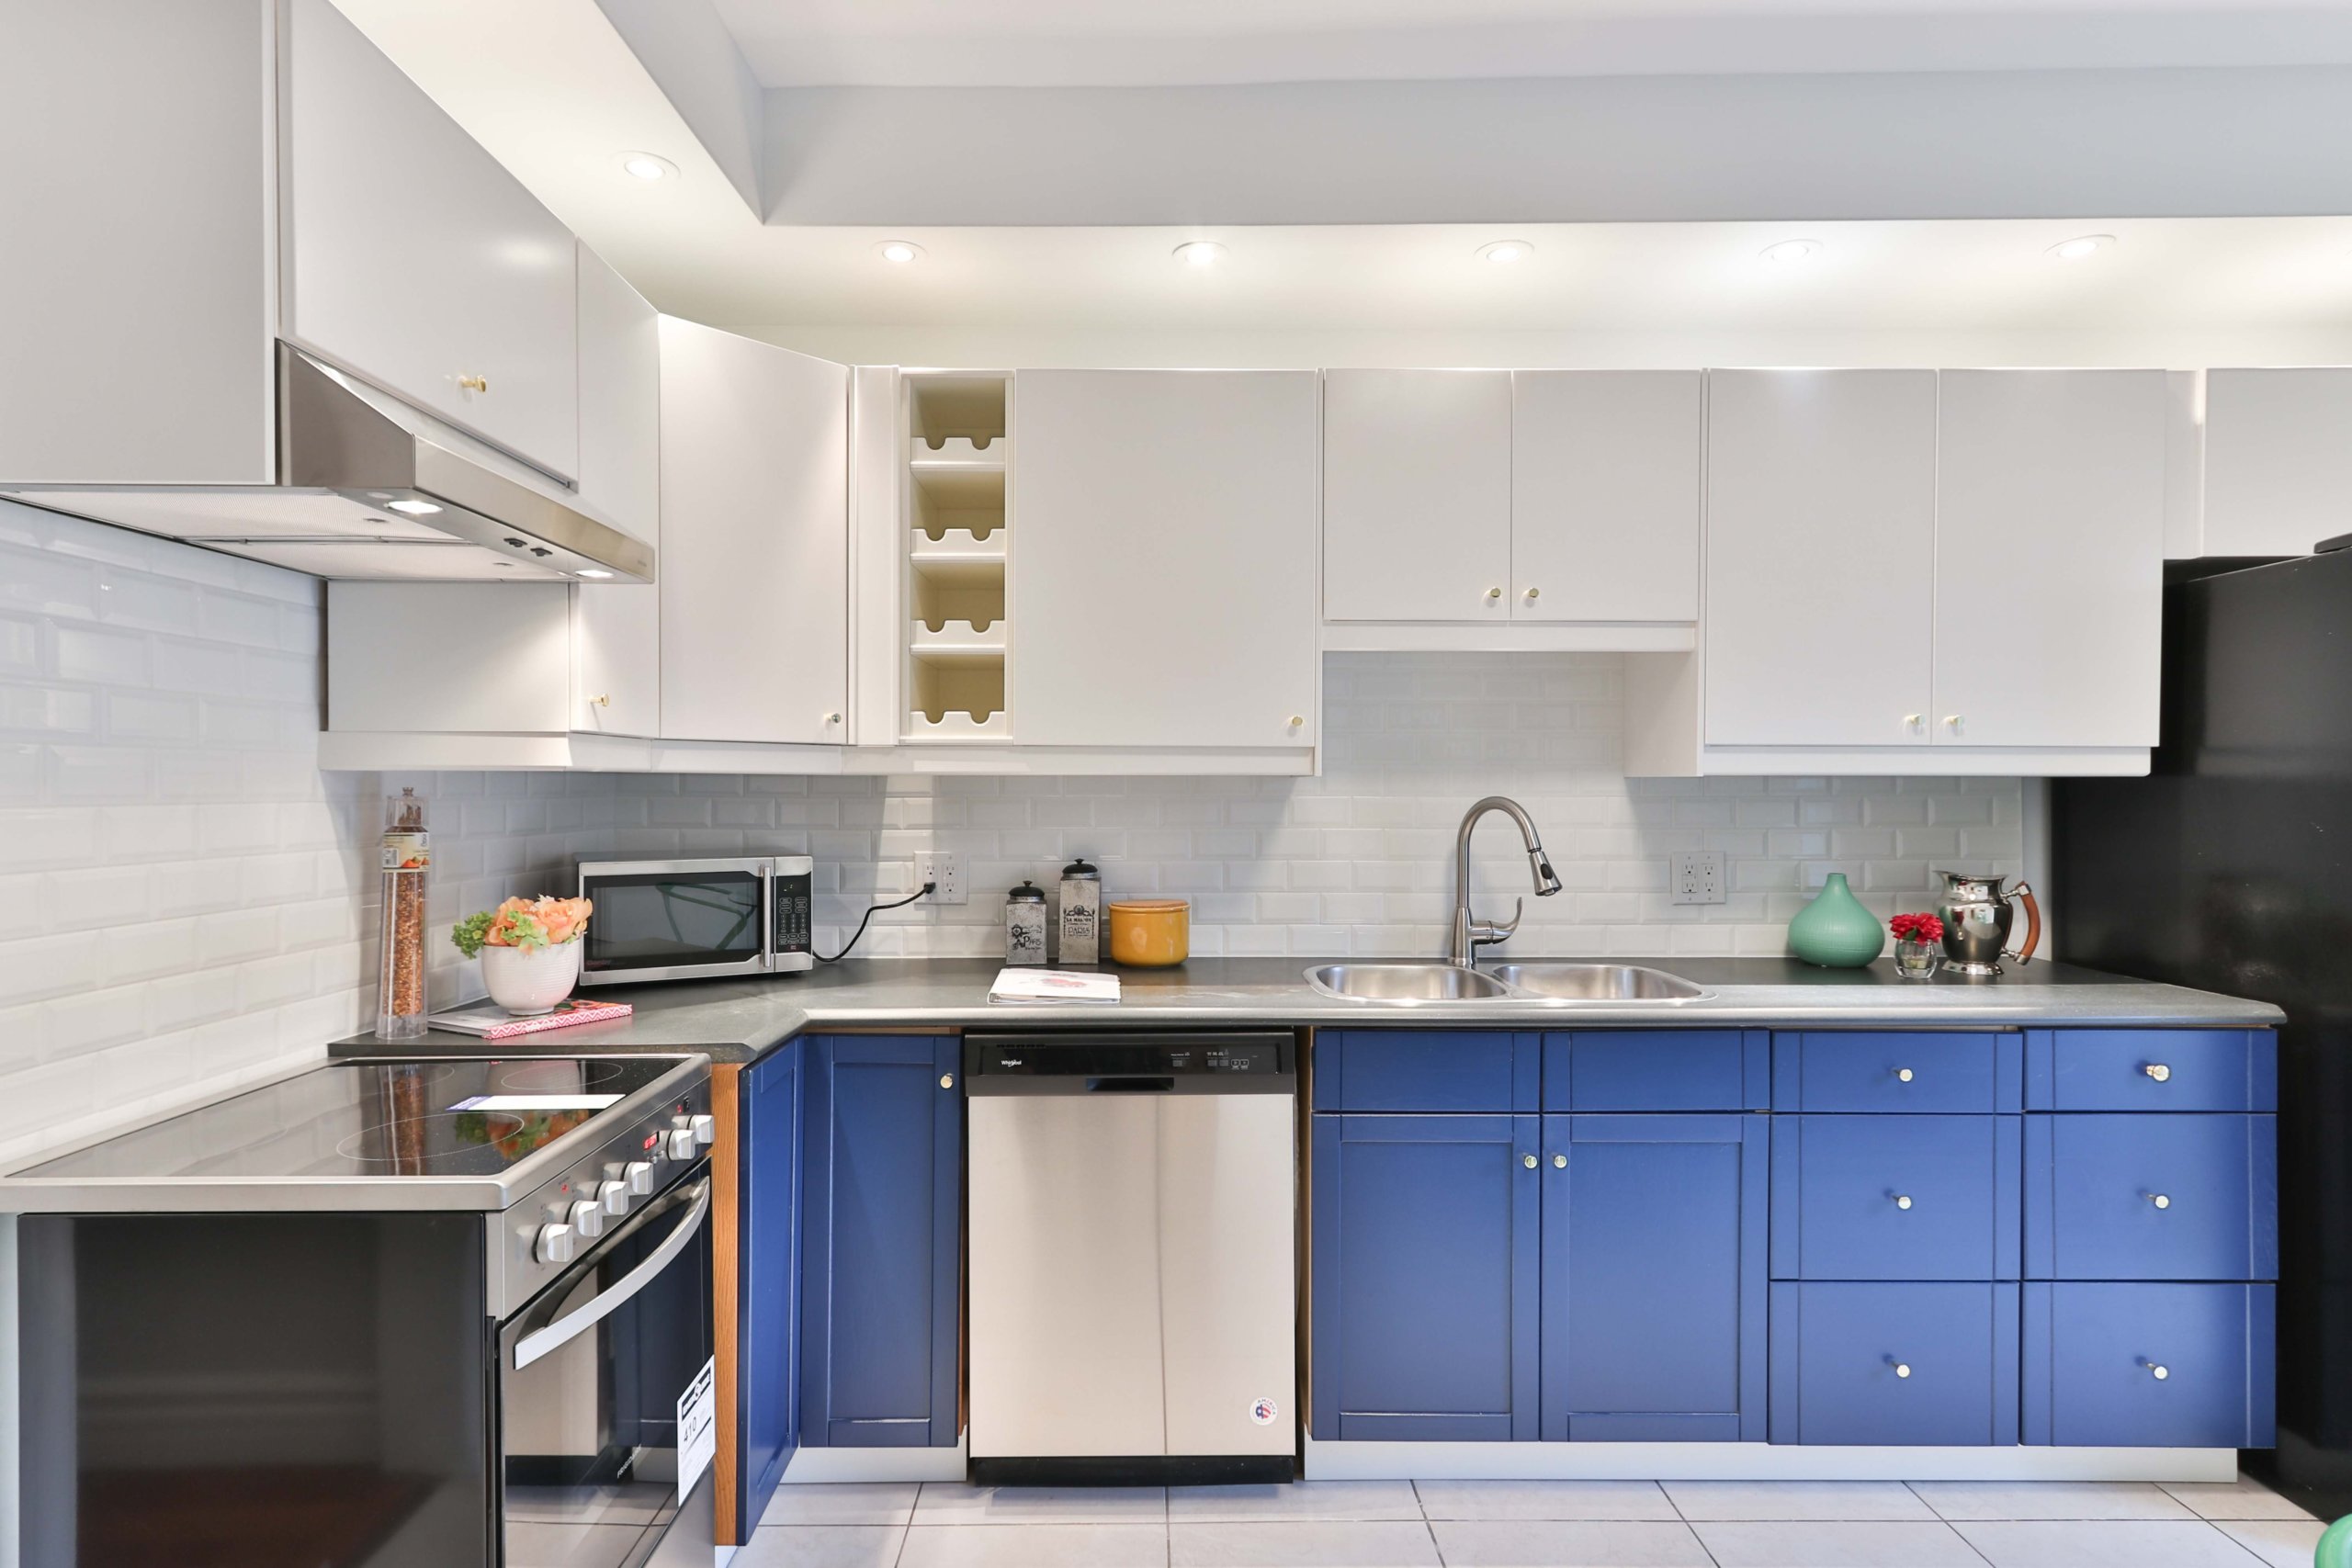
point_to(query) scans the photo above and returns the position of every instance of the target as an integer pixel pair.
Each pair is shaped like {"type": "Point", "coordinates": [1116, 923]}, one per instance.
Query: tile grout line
{"type": "Point", "coordinates": [1708, 1551]}
{"type": "Point", "coordinates": [1937, 1515]}
{"type": "Point", "coordinates": [1428, 1526]}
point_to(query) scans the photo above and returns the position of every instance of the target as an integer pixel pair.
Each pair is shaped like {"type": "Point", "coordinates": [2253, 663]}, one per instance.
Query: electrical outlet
{"type": "Point", "coordinates": [1698, 876]}
{"type": "Point", "coordinates": [944, 867]}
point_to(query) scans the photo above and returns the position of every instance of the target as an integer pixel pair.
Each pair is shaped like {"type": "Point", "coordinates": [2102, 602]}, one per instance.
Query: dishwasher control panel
{"type": "Point", "coordinates": [1137, 1062]}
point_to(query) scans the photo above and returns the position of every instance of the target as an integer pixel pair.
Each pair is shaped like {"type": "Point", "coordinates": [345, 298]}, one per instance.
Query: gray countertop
{"type": "Point", "coordinates": [737, 1020]}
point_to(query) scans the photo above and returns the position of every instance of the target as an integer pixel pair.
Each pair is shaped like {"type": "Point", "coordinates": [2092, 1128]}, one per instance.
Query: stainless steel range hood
{"type": "Point", "coordinates": [370, 488]}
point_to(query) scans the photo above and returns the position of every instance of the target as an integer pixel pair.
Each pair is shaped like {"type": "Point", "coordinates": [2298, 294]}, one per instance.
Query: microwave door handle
{"type": "Point", "coordinates": [767, 914]}
{"type": "Point", "coordinates": [578, 1321]}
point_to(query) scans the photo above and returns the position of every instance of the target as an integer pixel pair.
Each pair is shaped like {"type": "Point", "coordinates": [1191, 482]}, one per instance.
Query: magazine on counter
{"type": "Point", "coordinates": [493, 1022]}
{"type": "Point", "coordinates": [1053, 986]}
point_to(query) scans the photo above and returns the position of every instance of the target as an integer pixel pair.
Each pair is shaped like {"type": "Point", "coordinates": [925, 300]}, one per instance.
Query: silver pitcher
{"type": "Point", "coordinates": [1977, 916]}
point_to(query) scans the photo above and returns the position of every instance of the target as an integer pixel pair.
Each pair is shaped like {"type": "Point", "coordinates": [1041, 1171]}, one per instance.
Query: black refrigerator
{"type": "Point", "coordinates": [2230, 869]}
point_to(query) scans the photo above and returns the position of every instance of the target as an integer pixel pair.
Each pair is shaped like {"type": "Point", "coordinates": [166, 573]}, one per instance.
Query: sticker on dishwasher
{"type": "Point", "coordinates": [697, 1426]}
{"type": "Point", "coordinates": [1264, 1411]}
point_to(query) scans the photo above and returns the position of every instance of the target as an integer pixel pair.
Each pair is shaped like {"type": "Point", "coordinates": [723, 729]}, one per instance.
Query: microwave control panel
{"type": "Point", "coordinates": [792, 914]}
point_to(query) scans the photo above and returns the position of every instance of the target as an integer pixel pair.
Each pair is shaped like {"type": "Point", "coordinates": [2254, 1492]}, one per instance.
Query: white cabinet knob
{"type": "Point", "coordinates": [1902, 1199]}
{"type": "Point", "coordinates": [1527, 1160]}
{"type": "Point", "coordinates": [2158, 1071]}
{"type": "Point", "coordinates": [2157, 1371]}
{"type": "Point", "coordinates": [1954, 722]}
{"type": "Point", "coordinates": [602, 700]}
{"type": "Point", "coordinates": [1559, 1162]}
{"type": "Point", "coordinates": [474, 383]}
{"type": "Point", "coordinates": [948, 1080]}
{"type": "Point", "coordinates": [1903, 1075]}
{"type": "Point", "coordinates": [1913, 720]}
{"type": "Point", "coordinates": [2160, 1200]}
{"type": "Point", "coordinates": [1903, 1369]}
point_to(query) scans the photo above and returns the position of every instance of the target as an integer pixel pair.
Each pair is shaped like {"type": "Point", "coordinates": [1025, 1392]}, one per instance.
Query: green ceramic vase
{"type": "Point", "coordinates": [2334, 1550]}
{"type": "Point", "coordinates": [1835, 930]}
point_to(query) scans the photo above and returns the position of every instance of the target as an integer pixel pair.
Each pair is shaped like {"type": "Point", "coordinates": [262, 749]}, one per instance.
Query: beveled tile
{"type": "Point", "coordinates": [2103, 1543]}
{"type": "Point", "coordinates": [1302, 1543]}
{"type": "Point", "coordinates": [843, 1503]}
{"type": "Point", "coordinates": [1362, 1500]}
{"type": "Point", "coordinates": [1569, 1543]}
{"type": "Point", "coordinates": [1544, 1500]}
{"type": "Point", "coordinates": [1788, 1500]}
{"type": "Point", "coordinates": [2282, 1543]}
{"type": "Point", "coordinates": [1036, 1546]}
{"type": "Point", "coordinates": [1958, 1500]}
{"type": "Point", "coordinates": [2245, 1498]}
{"type": "Point", "coordinates": [822, 1546]}
{"type": "Point", "coordinates": [1836, 1544]}
{"type": "Point", "coordinates": [950, 1502]}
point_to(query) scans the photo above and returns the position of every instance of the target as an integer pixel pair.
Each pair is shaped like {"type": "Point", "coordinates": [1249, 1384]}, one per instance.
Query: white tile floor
{"type": "Point", "coordinates": [1537, 1524]}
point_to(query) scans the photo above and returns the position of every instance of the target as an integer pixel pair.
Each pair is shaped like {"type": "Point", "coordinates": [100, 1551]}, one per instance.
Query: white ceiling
{"type": "Point", "coordinates": [1164, 42]}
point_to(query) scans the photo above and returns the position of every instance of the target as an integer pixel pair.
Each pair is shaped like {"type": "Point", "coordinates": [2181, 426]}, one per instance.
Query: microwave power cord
{"type": "Point", "coordinates": [925, 891]}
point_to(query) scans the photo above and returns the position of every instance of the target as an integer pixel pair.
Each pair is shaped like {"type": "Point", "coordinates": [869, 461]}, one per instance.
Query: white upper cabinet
{"type": "Point", "coordinates": [1821, 542]}
{"type": "Point", "coordinates": [754, 569]}
{"type": "Point", "coordinates": [411, 257]}
{"type": "Point", "coordinates": [1417, 495]}
{"type": "Point", "coordinates": [1162, 584]}
{"type": "Point", "coordinates": [2049, 572]}
{"type": "Point", "coordinates": [618, 626]}
{"type": "Point", "coordinates": [1605, 495]}
{"type": "Point", "coordinates": [2277, 461]}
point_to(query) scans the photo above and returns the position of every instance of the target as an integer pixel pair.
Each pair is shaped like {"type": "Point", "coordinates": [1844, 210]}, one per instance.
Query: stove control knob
{"type": "Point", "coordinates": [706, 1131]}
{"type": "Point", "coordinates": [640, 1177]}
{"type": "Point", "coordinates": [587, 1219]}
{"type": "Point", "coordinates": [680, 1143]}
{"type": "Point", "coordinates": [613, 1195]}
{"type": "Point", "coordinates": [553, 1244]}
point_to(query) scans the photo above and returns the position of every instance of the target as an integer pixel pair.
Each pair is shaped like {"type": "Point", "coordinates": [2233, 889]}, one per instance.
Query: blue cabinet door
{"type": "Point", "coordinates": [2131, 1196]}
{"type": "Point", "coordinates": [1427, 1071]}
{"type": "Point", "coordinates": [1653, 1278]}
{"type": "Point", "coordinates": [1424, 1280]}
{"type": "Point", "coordinates": [2149, 1365]}
{"type": "Point", "coordinates": [882, 1217]}
{"type": "Point", "coordinates": [1895, 1363]}
{"type": "Point", "coordinates": [768, 1280]}
{"type": "Point", "coordinates": [1896, 1197]}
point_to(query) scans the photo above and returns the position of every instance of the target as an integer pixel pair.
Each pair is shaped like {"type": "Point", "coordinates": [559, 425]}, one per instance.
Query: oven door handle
{"type": "Point", "coordinates": [572, 1325]}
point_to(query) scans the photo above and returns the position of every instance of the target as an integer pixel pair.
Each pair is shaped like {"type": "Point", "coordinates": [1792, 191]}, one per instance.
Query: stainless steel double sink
{"type": "Point", "coordinates": [1556, 983]}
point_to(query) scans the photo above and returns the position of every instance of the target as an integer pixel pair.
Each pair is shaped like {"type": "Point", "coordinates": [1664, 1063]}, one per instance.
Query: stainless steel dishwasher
{"type": "Point", "coordinates": [1134, 1257]}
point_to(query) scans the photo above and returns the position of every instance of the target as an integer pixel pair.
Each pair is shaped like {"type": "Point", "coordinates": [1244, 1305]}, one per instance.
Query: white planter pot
{"type": "Point", "coordinates": [528, 980]}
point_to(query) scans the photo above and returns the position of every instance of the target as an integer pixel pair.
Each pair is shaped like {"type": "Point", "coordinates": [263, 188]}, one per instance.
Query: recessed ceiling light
{"type": "Point", "coordinates": [413, 508]}
{"type": "Point", "coordinates": [898, 252]}
{"type": "Point", "coordinates": [1502, 253]}
{"type": "Point", "coordinates": [2081, 247]}
{"type": "Point", "coordinates": [647, 166]}
{"type": "Point", "coordinates": [1199, 252]}
{"type": "Point", "coordinates": [1793, 250]}
{"type": "Point", "coordinates": [594, 571]}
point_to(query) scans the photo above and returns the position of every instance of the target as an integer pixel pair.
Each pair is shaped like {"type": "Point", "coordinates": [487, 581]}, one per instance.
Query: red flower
{"type": "Point", "coordinates": [1917, 927]}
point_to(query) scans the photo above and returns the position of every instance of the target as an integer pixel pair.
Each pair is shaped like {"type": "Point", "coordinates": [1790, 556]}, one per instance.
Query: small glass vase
{"type": "Point", "coordinates": [1917, 960]}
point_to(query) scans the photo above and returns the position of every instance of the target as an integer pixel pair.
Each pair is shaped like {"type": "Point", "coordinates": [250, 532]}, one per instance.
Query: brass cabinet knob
{"type": "Point", "coordinates": [1298, 719]}
{"type": "Point", "coordinates": [1533, 593]}
{"type": "Point", "coordinates": [602, 700]}
{"type": "Point", "coordinates": [474, 383]}
{"type": "Point", "coordinates": [1954, 721]}
{"type": "Point", "coordinates": [1493, 593]}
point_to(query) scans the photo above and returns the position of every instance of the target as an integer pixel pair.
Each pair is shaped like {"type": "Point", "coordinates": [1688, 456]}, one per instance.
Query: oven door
{"type": "Point", "coordinates": [676, 920]}
{"type": "Point", "coordinates": [606, 1399]}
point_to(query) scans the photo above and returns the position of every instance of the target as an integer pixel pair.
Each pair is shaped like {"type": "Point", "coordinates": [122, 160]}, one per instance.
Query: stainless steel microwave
{"type": "Point", "coordinates": [684, 919]}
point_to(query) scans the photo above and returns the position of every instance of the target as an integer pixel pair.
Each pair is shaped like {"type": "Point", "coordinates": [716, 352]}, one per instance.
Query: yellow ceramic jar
{"type": "Point", "coordinates": [1150, 933]}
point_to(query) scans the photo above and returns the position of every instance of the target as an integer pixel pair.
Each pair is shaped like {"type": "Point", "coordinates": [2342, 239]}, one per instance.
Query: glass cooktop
{"type": "Point", "coordinates": [378, 1119]}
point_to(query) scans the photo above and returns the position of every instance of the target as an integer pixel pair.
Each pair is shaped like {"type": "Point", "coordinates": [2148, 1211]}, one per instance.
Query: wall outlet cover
{"type": "Point", "coordinates": [944, 867]}
{"type": "Point", "coordinates": [1698, 876]}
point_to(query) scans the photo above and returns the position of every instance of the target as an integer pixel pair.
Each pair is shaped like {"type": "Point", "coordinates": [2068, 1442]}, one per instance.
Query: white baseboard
{"type": "Point", "coordinates": [1753, 1462]}
{"type": "Point", "coordinates": [821, 1466]}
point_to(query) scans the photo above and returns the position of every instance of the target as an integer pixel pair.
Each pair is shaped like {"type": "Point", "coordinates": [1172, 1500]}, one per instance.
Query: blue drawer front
{"type": "Point", "coordinates": [1656, 1069]}
{"type": "Point", "coordinates": [2091, 1353]}
{"type": "Point", "coordinates": [2152, 1069]}
{"type": "Point", "coordinates": [1840, 1185]}
{"type": "Point", "coordinates": [1840, 1353]}
{"type": "Point", "coordinates": [1926, 1071]}
{"type": "Point", "coordinates": [1426, 1247]}
{"type": "Point", "coordinates": [2091, 1187]}
{"type": "Point", "coordinates": [1426, 1070]}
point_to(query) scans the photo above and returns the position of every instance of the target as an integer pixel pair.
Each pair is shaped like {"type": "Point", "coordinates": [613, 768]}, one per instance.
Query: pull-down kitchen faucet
{"type": "Point", "coordinates": [1469, 934]}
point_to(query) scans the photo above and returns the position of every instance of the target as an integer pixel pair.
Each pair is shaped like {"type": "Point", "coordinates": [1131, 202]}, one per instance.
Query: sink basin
{"type": "Point", "coordinates": [1406, 983]}
{"type": "Point", "coordinates": [1596, 982]}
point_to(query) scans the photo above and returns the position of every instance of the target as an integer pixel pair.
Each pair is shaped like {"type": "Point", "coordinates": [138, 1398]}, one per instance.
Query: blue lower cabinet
{"type": "Point", "coordinates": [1910, 1072]}
{"type": "Point", "coordinates": [2149, 1365]}
{"type": "Point", "coordinates": [1896, 1197]}
{"type": "Point", "coordinates": [1425, 1271]}
{"type": "Point", "coordinates": [1653, 1278]}
{"type": "Point", "coordinates": [882, 1214]}
{"type": "Point", "coordinates": [2151, 1069]}
{"type": "Point", "coordinates": [768, 1297]}
{"type": "Point", "coordinates": [2150, 1197]}
{"type": "Point", "coordinates": [1424, 1071]}
{"type": "Point", "coordinates": [1895, 1363]}
{"type": "Point", "coordinates": [1658, 1069]}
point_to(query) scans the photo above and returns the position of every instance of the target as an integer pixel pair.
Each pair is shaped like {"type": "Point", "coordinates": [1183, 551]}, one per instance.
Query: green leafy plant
{"type": "Point", "coordinates": [470, 932]}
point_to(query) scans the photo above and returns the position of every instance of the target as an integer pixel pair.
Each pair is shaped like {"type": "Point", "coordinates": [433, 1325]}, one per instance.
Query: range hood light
{"type": "Point", "coordinates": [413, 508]}
{"type": "Point", "coordinates": [593, 571]}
